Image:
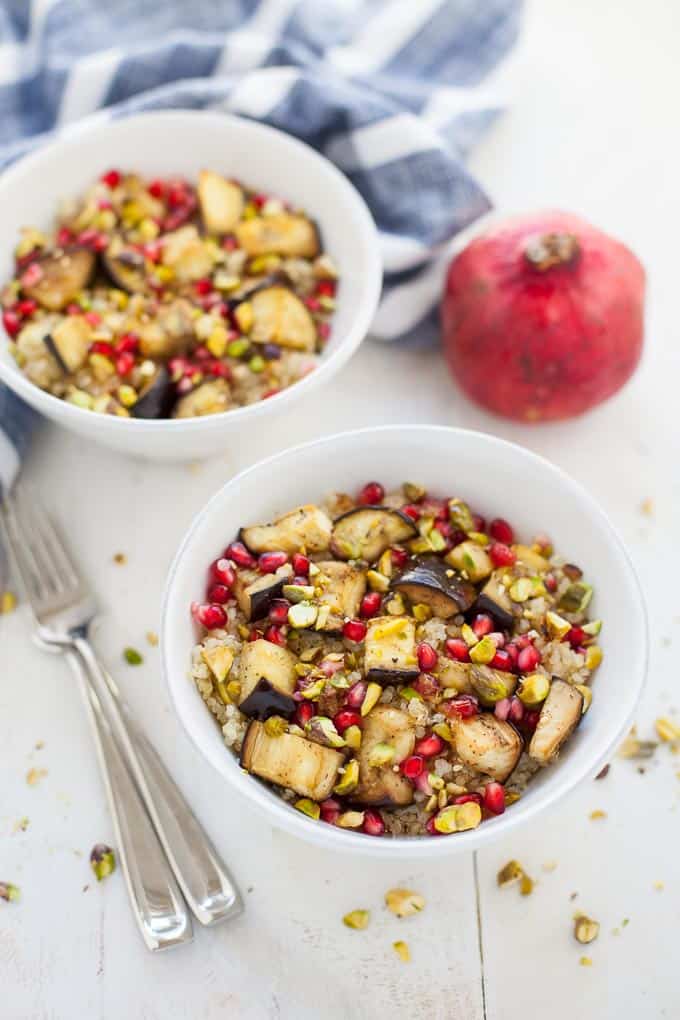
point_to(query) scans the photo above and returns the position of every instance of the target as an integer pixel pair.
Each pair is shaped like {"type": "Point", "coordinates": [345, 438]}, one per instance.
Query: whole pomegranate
{"type": "Point", "coordinates": [542, 317]}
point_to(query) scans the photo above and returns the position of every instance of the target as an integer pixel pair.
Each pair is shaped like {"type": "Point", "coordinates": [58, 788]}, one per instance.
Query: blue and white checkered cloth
{"type": "Point", "coordinates": [392, 91]}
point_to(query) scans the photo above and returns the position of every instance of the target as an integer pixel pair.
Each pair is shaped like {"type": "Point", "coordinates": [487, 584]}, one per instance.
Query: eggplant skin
{"type": "Point", "coordinates": [125, 267]}
{"type": "Point", "coordinates": [255, 592]}
{"type": "Point", "coordinates": [157, 397]}
{"type": "Point", "coordinates": [390, 650]}
{"type": "Point", "coordinates": [560, 715]}
{"type": "Point", "coordinates": [69, 343]}
{"type": "Point", "coordinates": [365, 532]}
{"type": "Point", "coordinates": [496, 603]}
{"type": "Point", "coordinates": [265, 701]}
{"type": "Point", "coordinates": [64, 275]}
{"type": "Point", "coordinates": [427, 580]}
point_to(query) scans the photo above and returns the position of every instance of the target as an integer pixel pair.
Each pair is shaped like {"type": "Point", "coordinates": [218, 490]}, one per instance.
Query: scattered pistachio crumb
{"type": "Point", "coordinates": [404, 902]}
{"type": "Point", "coordinates": [402, 950]}
{"type": "Point", "coordinates": [625, 922]}
{"type": "Point", "coordinates": [8, 602]}
{"type": "Point", "coordinates": [9, 892]}
{"type": "Point", "coordinates": [658, 886]}
{"type": "Point", "coordinates": [509, 873]}
{"type": "Point", "coordinates": [586, 961]}
{"type": "Point", "coordinates": [132, 657]}
{"type": "Point", "coordinates": [647, 507]}
{"type": "Point", "coordinates": [21, 824]}
{"type": "Point", "coordinates": [39, 745]}
{"type": "Point", "coordinates": [634, 748]}
{"type": "Point", "coordinates": [667, 730]}
{"type": "Point", "coordinates": [597, 815]}
{"type": "Point", "coordinates": [357, 919]}
{"type": "Point", "coordinates": [549, 866]}
{"type": "Point", "coordinates": [152, 638]}
{"type": "Point", "coordinates": [586, 929]}
{"type": "Point", "coordinates": [102, 861]}
{"type": "Point", "coordinates": [120, 559]}
{"type": "Point", "coordinates": [526, 885]}
{"type": "Point", "coordinates": [33, 776]}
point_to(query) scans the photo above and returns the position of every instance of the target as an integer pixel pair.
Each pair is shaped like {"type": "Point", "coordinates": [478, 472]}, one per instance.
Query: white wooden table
{"type": "Point", "coordinates": [594, 129]}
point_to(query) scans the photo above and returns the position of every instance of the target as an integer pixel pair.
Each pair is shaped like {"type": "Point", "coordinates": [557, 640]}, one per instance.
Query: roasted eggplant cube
{"type": "Point", "coordinates": [280, 317]}
{"type": "Point", "coordinates": [291, 761]}
{"type": "Point", "coordinates": [267, 676]}
{"type": "Point", "coordinates": [429, 581]}
{"type": "Point", "coordinates": [307, 527]}
{"type": "Point", "coordinates": [560, 715]}
{"type": "Point", "coordinates": [280, 234]}
{"type": "Point", "coordinates": [209, 398]}
{"type": "Point", "coordinates": [64, 276]}
{"type": "Point", "coordinates": [343, 587]}
{"type": "Point", "coordinates": [68, 343]}
{"type": "Point", "coordinates": [187, 254]}
{"type": "Point", "coordinates": [221, 202]}
{"type": "Point", "coordinates": [157, 397]}
{"type": "Point", "coordinates": [390, 650]}
{"type": "Point", "coordinates": [382, 785]}
{"type": "Point", "coordinates": [487, 744]}
{"type": "Point", "coordinates": [472, 559]}
{"type": "Point", "coordinates": [365, 532]}
{"type": "Point", "coordinates": [494, 600]}
{"type": "Point", "coordinates": [255, 592]}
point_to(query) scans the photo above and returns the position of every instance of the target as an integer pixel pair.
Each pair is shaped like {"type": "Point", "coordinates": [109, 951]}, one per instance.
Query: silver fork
{"type": "Point", "coordinates": [64, 609]}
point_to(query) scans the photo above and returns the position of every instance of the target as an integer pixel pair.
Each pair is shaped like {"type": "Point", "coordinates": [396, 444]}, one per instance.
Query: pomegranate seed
{"type": "Point", "coordinates": [278, 611]}
{"type": "Point", "coordinates": [528, 659]}
{"type": "Point", "coordinates": [550, 581]}
{"type": "Point", "coordinates": [127, 343]}
{"type": "Point", "coordinates": [11, 322]}
{"type": "Point", "coordinates": [255, 635]}
{"type": "Point", "coordinates": [259, 199]}
{"type": "Point", "coordinates": [370, 604]}
{"type": "Point", "coordinates": [502, 660]}
{"type": "Point", "coordinates": [522, 641]}
{"type": "Point", "coordinates": [330, 811]}
{"type": "Point", "coordinates": [354, 630]}
{"type": "Point", "coordinates": [202, 353]}
{"type": "Point", "coordinates": [501, 531]}
{"type": "Point", "coordinates": [326, 288]}
{"type": "Point", "coordinates": [219, 593]}
{"type": "Point", "coordinates": [479, 522]}
{"type": "Point", "coordinates": [422, 783]}
{"type": "Point", "coordinates": [576, 636]}
{"type": "Point", "coordinates": [411, 511]}
{"type": "Point", "coordinates": [494, 798]}
{"type": "Point", "coordinates": [73, 309]}
{"type": "Point", "coordinates": [323, 330]}
{"type": "Point", "coordinates": [427, 657]}
{"type": "Point", "coordinates": [203, 286]}
{"type": "Point", "coordinates": [467, 798]}
{"type": "Point", "coordinates": [427, 685]}
{"type": "Point", "coordinates": [457, 536]}
{"type": "Point", "coordinates": [513, 653]}
{"type": "Point", "coordinates": [91, 238]}
{"type": "Point", "coordinates": [444, 528]}
{"type": "Point", "coordinates": [239, 554]}
{"type": "Point", "coordinates": [93, 318]}
{"type": "Point", "coordinates": [373, 823]}
{"type": "Point", "coordinates": [32, 275]}
{"type": "Point", "coordinates": [356, 694]}
{"type": "Point", "coordinates": [331, 666]}
{"type": "Point", "coordinates": [516, 713]}
{"type": "Point", "coordinates": [412, 766]}
{"type": "Point", "coordinates": [218, 368]}
{"type": "Point", "coordinates": [301, 564]}
{"type": "Point", "coordinates": [429, 825]}
{"type": "Point", "coordinates": [303, 713]}
{"type": "Point", "coordinates": [270, 393]}
{"type": "Point", "coordinates": [64, 237]}
{"type": "Point", "coordinates": [269, 562]}
{"type": "Point", "coordinates": [27, 307]}
{"type": "Point", "coordinates": [501, 555]}
{"type": "Point", "coordinates": [101, 347]}
{"type": "Point", "coordinates": [223, 572]}
{"type": "Point", "coordinates": [111, 178]}
{"type": "Point", "coordinates": [313, 304]}
{"type": "Point", "coordinates": [372, 492]}
{"type": "Point", "coordinates": [530, 719]}
{"type": "Point", "coordinates": [229, 243]}
{"type": "Point", "coordinates": [211, 616]}
{"type": "Point", "coordinates": [177, 194]}
{"type": "Point", "coordinates": [429, 746]}
{"type": "Point", "coordinates": [482, 624]}
{"type": "Point", "coordinates": [153, 251]}
{"type": "Point", "coordinates": [346, 718]}
{"type": "Point", "coordinates": [498, 638]}
{"type": "Point", "coordinates": [275, 635]}
{"type": "Point", "coordinates": [502, 709]}
{"type": "Point", "coordinates": [457, 649]}
{"type": "Point", "coordinates": [399, 556]}
{"type": "Point", "coordinates": [104, 203]}
{"type": "Point", "coordinates": [125, 362]}
{"type": "Point", "coordinates": [464, 705]}
{"type": "Point", "coordinates": [156, 188]}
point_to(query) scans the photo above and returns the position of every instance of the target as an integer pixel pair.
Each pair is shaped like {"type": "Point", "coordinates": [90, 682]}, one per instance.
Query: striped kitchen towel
{"type": "Point", "coordinates": [394, 92]}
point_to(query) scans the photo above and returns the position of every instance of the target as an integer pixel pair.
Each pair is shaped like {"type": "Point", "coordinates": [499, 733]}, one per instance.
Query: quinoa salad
{"type": "Point", "coordinates": [392, 664]}
{"type": "Point", "coordinates": [158, 299]}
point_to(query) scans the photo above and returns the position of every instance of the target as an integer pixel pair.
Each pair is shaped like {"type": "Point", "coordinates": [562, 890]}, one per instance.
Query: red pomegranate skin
{"type": "Point", "coordinates": [541, 344]}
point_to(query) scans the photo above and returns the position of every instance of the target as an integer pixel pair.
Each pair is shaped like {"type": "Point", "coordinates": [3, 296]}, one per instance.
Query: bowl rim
{"type": "Point", "coordinates": [281, 814]}
{"type": "Point", "coordinates": [366, 235]}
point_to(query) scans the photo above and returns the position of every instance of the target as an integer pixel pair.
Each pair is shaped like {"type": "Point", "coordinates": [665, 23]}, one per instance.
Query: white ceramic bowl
{"type": "Point", "coordinates": [498, 478]}
{"type": "Point", "coordinates": [183, 143]}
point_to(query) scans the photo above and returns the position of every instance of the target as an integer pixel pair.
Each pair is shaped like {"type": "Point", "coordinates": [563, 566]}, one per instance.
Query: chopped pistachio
{"type": "Point", "coordinates": [509, 873]}
{"type": "Point", "coordinates": [377, 581]}
{"type": "Point", "coordinates": [647, 507]}
{"type": "Point", "coordinates": [667, 730]}
{"type": "Point", "coordinates": [219, 660]}
{"type": "Point", "coordinates": [257, 364]}
{"type": "Point", "coordinates": [275, 726]}
{"type": "Point", "coordinates": [298, 592]}
{"type": "Point", "coordinates": [234, 690]}
{"type": "Point", "coordinates": [593, 628]}
{"type": "Point", "coordinates": [443, 730]}
{"type": "Point", "coordinates": [526, 885]}
{"type": "Point", "coordinates": [357, 919]}
{"type": "Point", "coordinates": [468, 635]}
{"type": "Point", "coordinates": [479, 537]}
{"type": "Point", "coordinates": [404, 902]}
{"type": "Point", "coordinates": [585, 929]}
{"type": "Point", "coordinates": [351, 819]}
{"type": "Point", "coordinates": [102, 861]}
{"type": "Point", "coordinates": [381, 754]}
{"type": "Point", "coordinates": [237, 348]}
{"type": "Point", "coordinates": [323, 728]}
{"type": "Point", "coordinates": [308, 807]}
{"type": "Point", "coordinates": [385, 565]}
{"type": "Point", "coordinates": [597, 814]}
{"type": "Point", "coordinates": [576, 598]}
{"type": "Point", "coordinates": [436, 540]}
{"type": "Point", "coordinates": [435, 781]}
{"type": "Point", "coordinates": [132, 657]}
{"type": "Point", "coordinates": [634, 748]}
{"type": "Point", "coordinates": [594, 656]}
{"type": "Point", "coordinates": [402, 950]}
{"type": "Point", "coordinates": [556, 625]}
{"type": "Point", "coordinates": [244, 316]}
{"type": "Point", "coordinates": [533, 689]}
{"type": "Point", "coordinates": [408, 693]}
{"type": "Point", "coordinates": [460, 515]}
{"type": "Point", "coordinates": [8, 603]}
{"type": "Point", "coordinates": [314, 690]}
{"type": "Point", "coordinates": [586, 961]}
{"type": "Point", "coordinates": [152, 638]}
{"type": "Point", "coordinates": [483, 651]}
{"type": "Point", "coordinates": [349, 780]}
{"type": "Point", "coordinates": [458, 817]}
{"type": "Point", "coordinates": [120, 559]}
{"type": "Point", "coordinates": [371, 698]}
{"type": "Point", "coordinates": [413, 492]}
{"type": "Point", "coordinates": [9, 892]}
{"type": "Point", "coordinates": [421, 612]}
{"type": "Point", "coordinates": [587, 696]}
{"type": "Point", "coordinates": [396, 605]}
{"type": "Point", "coordinates": [525, 588]}
{"type": "Point", "coordinates": [33, 776]}
{"type": "Point", "coordinates": [302, 615]}
{"type": "Point", "coordinates": [352, 737]}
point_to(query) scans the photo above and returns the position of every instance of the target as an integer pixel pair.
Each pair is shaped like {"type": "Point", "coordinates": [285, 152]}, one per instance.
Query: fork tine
{"type": "Point", "coordinates": [61, 567]}
{"type": "Point", "coordinates": [20, 553]}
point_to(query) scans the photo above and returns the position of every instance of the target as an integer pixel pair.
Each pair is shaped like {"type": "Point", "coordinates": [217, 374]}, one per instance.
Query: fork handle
{"type": "Point", "coordinates": [156, 901]}
{"type": "Point", "coordinates": [203, 877]}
